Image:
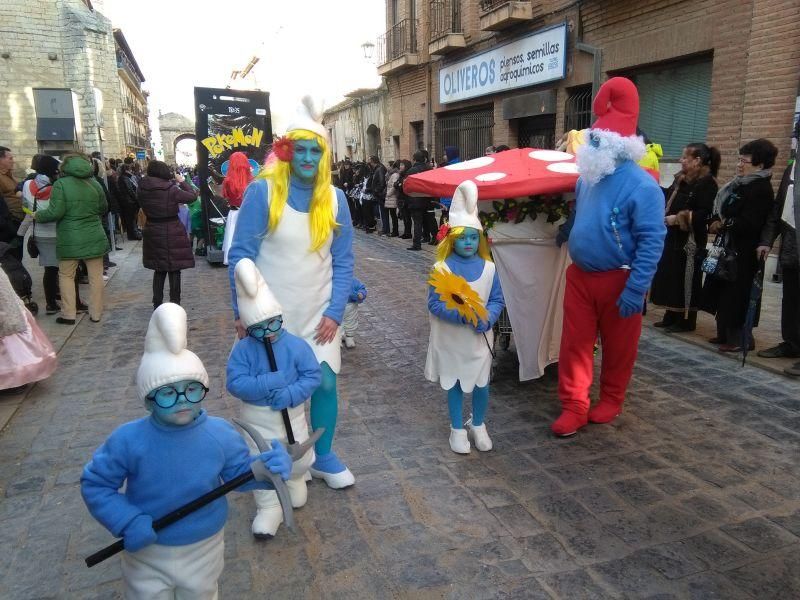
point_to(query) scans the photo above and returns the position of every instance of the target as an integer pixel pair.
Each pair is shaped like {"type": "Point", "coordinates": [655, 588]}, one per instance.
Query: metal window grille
{"type": "Point", "coordinates": [399, 40]}
{"type": "Point", "coordinates": [536, 132]}
{"type": "Point", "coordinates": [445, 18]}
{"type": "Point", "coordinates": [470, 131]}
{"type": "Point", "coordinates": [487, 5]}
{"type": "Point", "coordinates": [578, 108]}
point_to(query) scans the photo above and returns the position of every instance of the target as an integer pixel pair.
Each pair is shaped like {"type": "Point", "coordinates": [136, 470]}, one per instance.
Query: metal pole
{"type": "Point", "coordinates": [597, 66]}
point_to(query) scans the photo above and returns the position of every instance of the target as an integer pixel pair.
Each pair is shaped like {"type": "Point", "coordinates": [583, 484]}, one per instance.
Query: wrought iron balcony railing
{"type": "Point", "coordinates": [399, 40]}
{"type": "Point", "coordinates": [445, 18]}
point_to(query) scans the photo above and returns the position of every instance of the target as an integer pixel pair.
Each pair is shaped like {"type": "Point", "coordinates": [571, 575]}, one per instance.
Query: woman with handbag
{"type": "Point", "coordinates": [740, 211]}
{"type": "Point", "coordinates": [678, 282]}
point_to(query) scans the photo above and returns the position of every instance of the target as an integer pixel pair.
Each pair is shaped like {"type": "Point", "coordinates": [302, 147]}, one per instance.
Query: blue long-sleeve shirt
{"type": "Point", "coordinates": [470, 269]}
{"type": "Point", "coordinates": [633, 199]}
{"type": "Point", "coordinates": [250, 378]}
{"type": "Point", "coordinates": [166, 467]}
{"type": "Point", "coordinates": [358, 288]}
{"type": "Point", "coordinates": [253, 224]}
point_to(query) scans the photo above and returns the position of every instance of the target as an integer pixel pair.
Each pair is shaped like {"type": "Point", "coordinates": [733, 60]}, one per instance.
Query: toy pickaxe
{"type": "Point", "coordinates": [257, 471]}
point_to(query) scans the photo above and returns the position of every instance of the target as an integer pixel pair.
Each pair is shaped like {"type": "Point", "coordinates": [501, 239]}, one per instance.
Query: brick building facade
{"type": "Point", "coordinates": [723, 71]}
{"type": "Point", "coordinates": [60, 87]}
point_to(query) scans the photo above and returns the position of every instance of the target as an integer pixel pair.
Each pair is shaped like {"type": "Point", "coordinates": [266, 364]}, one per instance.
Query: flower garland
{"type": "Point", "coordinates": [514, 211]}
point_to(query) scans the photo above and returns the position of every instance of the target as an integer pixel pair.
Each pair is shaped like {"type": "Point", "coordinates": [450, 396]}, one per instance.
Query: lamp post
{"type": "Point", "coordinates": [368, 48]}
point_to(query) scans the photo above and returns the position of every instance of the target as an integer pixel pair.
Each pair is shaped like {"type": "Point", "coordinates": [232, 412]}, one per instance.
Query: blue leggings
{"type": "Point", "coordinates": [324, 409]}
{"type": "Point", "coordinates": [455, 401]}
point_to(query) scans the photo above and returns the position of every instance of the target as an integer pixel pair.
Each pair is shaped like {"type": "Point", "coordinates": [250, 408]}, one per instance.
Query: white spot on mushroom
{"type": "Point", "coordinates": [550, 155]}
{"type": "Point", "coordinates": [490, 176]}
{"type": "Point", "coordinates": [475, 163]}
{"type": "Point", "coordinates": [569, 168]}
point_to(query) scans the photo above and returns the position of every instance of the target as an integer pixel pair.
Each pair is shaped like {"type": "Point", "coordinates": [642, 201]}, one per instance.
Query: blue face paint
{"type": "Point", "coordinates": [271, 328]}
{"type": "Point", "coordinates": [182, 413]}
{"type": "Point", "coordinates": [306, 159]}
{"type": "Point", "coordinates": [466, 245]}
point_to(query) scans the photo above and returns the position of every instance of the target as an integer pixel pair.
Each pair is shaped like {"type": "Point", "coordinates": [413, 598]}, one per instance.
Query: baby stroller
{"type": "Point", "coordinates": [20, 278]}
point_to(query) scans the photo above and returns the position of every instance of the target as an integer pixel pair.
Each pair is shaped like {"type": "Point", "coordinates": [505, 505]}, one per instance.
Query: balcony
{"type": "Point", "coordinates": [446, 32]}
{"type": "Point", "coordinates": [397, 48]}
{"type": "Point", "coordinates": [124, 65]}
{"type": "Point", "coordinates": [501, 14]}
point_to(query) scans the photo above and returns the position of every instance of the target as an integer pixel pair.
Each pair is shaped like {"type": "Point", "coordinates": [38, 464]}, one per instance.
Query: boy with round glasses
{"type": "Point", "coordinates": [165, 460]}
{"type": "Point", "coordinates": [266, 393]}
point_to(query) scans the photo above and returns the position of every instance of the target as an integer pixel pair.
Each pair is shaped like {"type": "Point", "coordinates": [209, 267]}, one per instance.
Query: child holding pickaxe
{"type": "Point", "coordinates": [178, 454]}
{"type": "Point", "coordinates": [273, 373]}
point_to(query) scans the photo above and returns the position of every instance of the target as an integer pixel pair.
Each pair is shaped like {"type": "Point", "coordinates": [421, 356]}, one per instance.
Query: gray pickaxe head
{"type": "Point", "coordinates": [263, 474]}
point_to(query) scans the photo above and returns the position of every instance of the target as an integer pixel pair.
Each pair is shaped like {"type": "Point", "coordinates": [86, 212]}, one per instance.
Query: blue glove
{"type": "Point", "coordinates": [280, 399]}
{"type": "Point", "coordinates": [274, 380]}
{"type": "Point", "coordinates": [277, 460]}
{"type": "Point", "coordinates": [630, 303]}
{"type": "Point", "coordinates": [482, 326]}
{"type": "Point", "coordinates": [139, 533]}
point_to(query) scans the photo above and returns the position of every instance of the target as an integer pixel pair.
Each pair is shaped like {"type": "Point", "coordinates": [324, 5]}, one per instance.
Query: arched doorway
{"type": "Point", "coordinates": [185, 150]}
{"type": "Point", "coordinates": [374, 141]}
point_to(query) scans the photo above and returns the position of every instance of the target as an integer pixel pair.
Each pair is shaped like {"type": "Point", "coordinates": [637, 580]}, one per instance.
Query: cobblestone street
{"type": "Point", "coordinates": [694, 492]}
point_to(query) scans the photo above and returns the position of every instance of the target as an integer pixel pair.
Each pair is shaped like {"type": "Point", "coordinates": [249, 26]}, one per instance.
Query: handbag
{"type": "Point", "coordinates": [721, 259]}
{"type": "Point", "coordinates": [33, 249]}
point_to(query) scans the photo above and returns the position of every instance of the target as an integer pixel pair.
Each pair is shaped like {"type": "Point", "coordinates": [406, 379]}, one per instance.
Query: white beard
{"type": "Point", "coordinates": [594, 163]}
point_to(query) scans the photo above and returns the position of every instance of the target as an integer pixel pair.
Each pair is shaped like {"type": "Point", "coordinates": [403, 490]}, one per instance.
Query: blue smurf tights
{"type": "Point", "coordinates": [324, 409]}
{"type": "Point", "coordinates": [455, 400]}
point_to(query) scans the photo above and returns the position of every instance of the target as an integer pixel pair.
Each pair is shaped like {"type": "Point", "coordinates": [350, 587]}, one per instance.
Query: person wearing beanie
{"type": "Point", "coordinates": [264, 393]}
{"type": "Point", "coordinates": [296, 227]}
{"type": "Point", "coordinates": [165, 460]}
{"type": "Point", "coordinates": [615, 245]}
{"type": "Point", "coordinates": [350, 322]}
{"type": "Point", "coordinates": [459, 348]}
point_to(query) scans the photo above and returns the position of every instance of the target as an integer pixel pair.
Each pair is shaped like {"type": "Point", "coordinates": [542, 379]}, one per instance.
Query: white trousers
{"type": "Point", "coordinates": [189, 572]}
{"type": "Point", "coordinates": [269, 423]}
{"type": "Point", "coordinates": [350, 320]}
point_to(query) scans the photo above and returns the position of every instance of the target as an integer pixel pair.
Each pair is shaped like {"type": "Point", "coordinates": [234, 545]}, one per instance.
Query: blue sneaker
{"type": "Point", "coordinates": [332, 470]}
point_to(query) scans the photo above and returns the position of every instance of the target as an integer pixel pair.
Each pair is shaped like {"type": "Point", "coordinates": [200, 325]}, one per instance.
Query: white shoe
{"type": "Point", "coordinates": [459, 442]}
{"type": "Point", "coordinates": [267, 522]}
{"type": "Point", "coordinates": [335, 481]}
{"type": "Point", "coordinates": [479, 435]}
{"type": "Point", "coordinates": [349, 342]}
{"type": "Point", "coordinates": [298, 492]}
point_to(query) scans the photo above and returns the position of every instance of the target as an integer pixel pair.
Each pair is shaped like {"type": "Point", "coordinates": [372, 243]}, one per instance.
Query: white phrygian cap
{"type": "Point", "coordinates": [255, 300]}
{"type": "Point", "coordinates": [308, 118]}
{"type": "Point", "coordinates": [464, 206]}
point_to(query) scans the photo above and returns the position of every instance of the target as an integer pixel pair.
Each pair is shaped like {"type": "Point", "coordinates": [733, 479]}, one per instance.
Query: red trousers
{"type": "Point", "coordinates": [590, 305]}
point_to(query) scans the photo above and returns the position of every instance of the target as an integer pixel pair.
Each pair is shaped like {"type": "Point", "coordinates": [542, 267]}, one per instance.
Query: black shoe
{"type": "Point", "coordinates": [679, 328]}
{"type": "Point", "coordinates": [117, 248]}
{"type": "Point", "coordinates": [395, 234]}
{"type": "Point", "coordinates": [782, 350]}
{"type": "Point", "coordinates": [406, 236]}
{"type": "Point", "coordinates": [51, 309]}
{"type": "Point", "coordinates": [111, 264]}
{"type": "Point", "coordinates": [64, 321]}
{"type": "Point", "coordinates": [662, 324]}
{"type": "Point", "coordinates": [414, 248]}
{"type": "Point", "coordinates": [82, 308]}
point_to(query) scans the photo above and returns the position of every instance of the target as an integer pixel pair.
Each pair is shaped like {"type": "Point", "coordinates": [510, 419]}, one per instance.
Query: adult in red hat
{"type": "Point", "coordinates": [615, 246]}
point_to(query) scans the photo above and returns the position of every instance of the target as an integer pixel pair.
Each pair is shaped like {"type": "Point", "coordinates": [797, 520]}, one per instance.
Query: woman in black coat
{"type": "Point", "coordinates": [690, 201]}
{"type": "Point", "coordinates": [166, 248]}
{"type": "Point", "coordinates": [740, 211]}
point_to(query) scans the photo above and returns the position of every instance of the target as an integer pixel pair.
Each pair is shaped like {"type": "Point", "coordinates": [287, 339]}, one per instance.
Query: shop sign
{"type": "Point", "coordinates": [532, 60]}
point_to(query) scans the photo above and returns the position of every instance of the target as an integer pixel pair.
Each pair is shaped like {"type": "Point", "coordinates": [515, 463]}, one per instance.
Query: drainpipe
{"type": "Point", "coordinates": [597, 67]}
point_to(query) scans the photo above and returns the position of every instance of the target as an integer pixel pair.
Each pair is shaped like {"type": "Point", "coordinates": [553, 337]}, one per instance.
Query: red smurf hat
{"type": "Point", "coordinates": [617, 107]}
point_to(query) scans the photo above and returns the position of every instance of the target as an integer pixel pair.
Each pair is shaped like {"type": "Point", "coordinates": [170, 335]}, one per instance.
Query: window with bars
{"type": "Point", "coordinates": [536, 132]}
{"type": "Point", "coordinates": [470, 131]}
{"type": "Point", "coordinates": [578, 108]}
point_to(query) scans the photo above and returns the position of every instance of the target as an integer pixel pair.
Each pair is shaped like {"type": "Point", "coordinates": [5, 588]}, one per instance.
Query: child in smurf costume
{"type": "Point", "coordinates": [265, 394]}
{"type": "Point", "coordinates": [165, 460]}
{"type": "Point", "coordinates": [350, 321]}
{"type": "Point", "coordinates": [459, 355]}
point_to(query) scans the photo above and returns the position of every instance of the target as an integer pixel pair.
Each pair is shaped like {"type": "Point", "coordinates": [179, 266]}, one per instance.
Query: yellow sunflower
{"type": "Point", "coordinates": [457, 294]}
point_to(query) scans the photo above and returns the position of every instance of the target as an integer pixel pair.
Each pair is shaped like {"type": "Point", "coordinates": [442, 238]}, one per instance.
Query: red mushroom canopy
{"type": "Point", "coordinates": [510, 174]}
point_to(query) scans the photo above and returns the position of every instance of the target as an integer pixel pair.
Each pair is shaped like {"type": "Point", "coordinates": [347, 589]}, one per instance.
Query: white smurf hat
{"type": "Point", "coordinates": [464, 207]}
{"type": "Point", "coordinates": [308, 118]}
{"type": "Point", "coordinates": [253, 296]}
{"type": "Point", "coordinates": [166, 358]}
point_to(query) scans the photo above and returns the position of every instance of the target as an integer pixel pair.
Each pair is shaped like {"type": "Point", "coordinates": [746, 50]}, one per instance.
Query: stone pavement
{"type": "Point", "coordinates": [693, 493]}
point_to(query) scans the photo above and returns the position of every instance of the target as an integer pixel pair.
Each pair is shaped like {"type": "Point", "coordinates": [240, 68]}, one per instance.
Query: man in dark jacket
{"type": "Point", "coordinates": [376, 188]}
{"type": "Point", "coordinates": [416, 205]}
{"type": "Point", "coordinates": [127, 186]}
{"type": "Point", "coordinates": [788, 257]}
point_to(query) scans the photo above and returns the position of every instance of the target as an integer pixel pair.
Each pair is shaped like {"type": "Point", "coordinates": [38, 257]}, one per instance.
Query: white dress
{"type": "Point", "coordinates": [300, 279]}
{"type": "Point", "coordinates": [458, 353]}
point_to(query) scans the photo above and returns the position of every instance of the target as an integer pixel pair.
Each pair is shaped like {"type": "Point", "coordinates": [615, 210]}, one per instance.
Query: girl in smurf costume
{"type": "Point", "coordinates": [459, 348]}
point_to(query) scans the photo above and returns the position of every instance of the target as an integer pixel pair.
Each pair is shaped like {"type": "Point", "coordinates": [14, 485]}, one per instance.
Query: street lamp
{"type": "Point", "coordinates": [368, 48]}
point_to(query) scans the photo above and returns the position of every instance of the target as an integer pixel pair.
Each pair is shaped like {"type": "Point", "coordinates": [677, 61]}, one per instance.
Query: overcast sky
{"type": "Point", "coordinates": [308, 46]}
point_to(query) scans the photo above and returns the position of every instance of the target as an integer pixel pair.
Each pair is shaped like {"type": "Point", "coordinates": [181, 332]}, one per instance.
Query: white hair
{"type": "Point", "coordinates": [604, 152]}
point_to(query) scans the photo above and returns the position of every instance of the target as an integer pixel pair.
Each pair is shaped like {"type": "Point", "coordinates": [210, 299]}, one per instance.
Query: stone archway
{"type": "Point", "coordinates": [174, 127]}
{"type": "Point", "coordinates": [373, 141]}
{"type": "Point", "coordinates": [178, 140]}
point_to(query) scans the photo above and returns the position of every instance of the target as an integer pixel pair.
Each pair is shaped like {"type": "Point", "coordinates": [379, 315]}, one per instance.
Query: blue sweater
{"type": "Point", "coordinates": [250, 379]}
{"type": "Point", "coordinates": [634, 198]}
{"type": "Point", "coordinates": [470, 269]}
{"type": "Point", "coordinates": [165, 468]}
{"type": "Point", "coordinates": [253, 225]}
{"type": "Point", "coordinates": [358, 288]}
